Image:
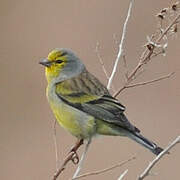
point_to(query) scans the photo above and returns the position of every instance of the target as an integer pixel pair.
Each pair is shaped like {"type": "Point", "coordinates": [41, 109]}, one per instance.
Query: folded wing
{"type": "Point", "coordinates": [90, 96]}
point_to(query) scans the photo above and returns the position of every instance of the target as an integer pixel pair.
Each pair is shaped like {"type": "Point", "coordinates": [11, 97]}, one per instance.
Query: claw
{"type": "Point", "coordinates": [75, 158]}
{"type": "Point", "coordinates": [76, 146]}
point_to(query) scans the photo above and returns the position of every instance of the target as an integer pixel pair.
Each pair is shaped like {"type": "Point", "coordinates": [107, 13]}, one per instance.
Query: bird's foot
{"type": "Point", "coordinates": [75, 157]}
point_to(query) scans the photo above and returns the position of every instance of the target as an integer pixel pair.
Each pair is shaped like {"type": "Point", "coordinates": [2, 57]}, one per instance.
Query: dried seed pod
{"type": "Point", "coordinates": [150, 47]}
{"type": "Point", "coordinates": [160, 15]}
{"type": "Point", "coordinates": [175, 28]}
{"type": "Point", "coordinates": [164, 11]}
{"type": "Point", "coordinates": [175, 6]}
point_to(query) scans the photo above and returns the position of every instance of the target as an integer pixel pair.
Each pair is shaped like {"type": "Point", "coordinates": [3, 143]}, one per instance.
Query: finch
{"type": "Point", "coordinates": [82, 104]}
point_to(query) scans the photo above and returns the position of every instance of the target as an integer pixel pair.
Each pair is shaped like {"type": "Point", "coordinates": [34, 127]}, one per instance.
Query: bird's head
{"type": "Point", "coordinates": [62, 64]}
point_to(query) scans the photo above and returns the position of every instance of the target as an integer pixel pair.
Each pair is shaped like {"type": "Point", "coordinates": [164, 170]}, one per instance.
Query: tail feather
{"type": "Point", "coordinates": [146, 143]}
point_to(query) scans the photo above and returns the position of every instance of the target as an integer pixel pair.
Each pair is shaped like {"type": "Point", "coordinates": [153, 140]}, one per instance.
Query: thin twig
{"type": "Point", "coordinates": [55, 143]}
{"type": "Point", "coordinates": [125, 66]}
{"type": "Point", "coordinates": [102, 64]}
{"type": "Point", "coordinates": [105, 170]}
{"type": "Point", "coordinates": [82, 159]}
{"type": "Point", "coordinates": [120, 45]}
{"type": "Point", "coordinates": [154, 162]}
{"type": "Point", "coordinates": [151, 81]}
{"type": "Point", "coordinates": [101, 60]}
{"type": "Point", "coordinates": [143, 83]}
{"type": "Point", "coordinates": [168, 28]}
{"type": "Point", "coordinates": [72, 156]}
{"type": "Point", "coordinates": [123, 174]}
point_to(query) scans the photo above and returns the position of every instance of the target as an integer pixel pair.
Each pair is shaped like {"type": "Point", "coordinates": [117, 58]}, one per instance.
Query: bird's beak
{"type": "Point", "coordinates": [45, 62]}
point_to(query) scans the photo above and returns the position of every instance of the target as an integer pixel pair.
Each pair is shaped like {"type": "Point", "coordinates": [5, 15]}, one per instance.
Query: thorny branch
{"type": "Point", "coordinates": [154, 162]}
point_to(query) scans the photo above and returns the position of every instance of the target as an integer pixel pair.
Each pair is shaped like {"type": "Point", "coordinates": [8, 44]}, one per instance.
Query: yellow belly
{"type": "Point", "coordinates": [76, 122]}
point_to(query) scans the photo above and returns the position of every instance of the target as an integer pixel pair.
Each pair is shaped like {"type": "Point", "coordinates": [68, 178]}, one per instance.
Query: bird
{"type": "Point", "coordinates": [82, 104]}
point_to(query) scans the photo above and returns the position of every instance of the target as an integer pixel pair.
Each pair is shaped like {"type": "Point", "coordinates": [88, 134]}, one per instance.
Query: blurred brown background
{"type": "Point", "coordinates": [29, 30]}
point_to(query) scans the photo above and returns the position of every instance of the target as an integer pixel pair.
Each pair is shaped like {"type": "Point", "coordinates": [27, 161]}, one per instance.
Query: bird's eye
{"type": "Point", "coordinates": [59, 61]}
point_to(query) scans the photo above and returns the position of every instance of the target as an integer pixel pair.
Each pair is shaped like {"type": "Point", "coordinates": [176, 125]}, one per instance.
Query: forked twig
{"type": "Point", "coordinates": [120, 45]}
{"type": "Point", "coordinates": [143, 83]}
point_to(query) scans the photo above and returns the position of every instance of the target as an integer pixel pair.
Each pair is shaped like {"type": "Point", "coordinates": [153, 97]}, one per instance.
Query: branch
{"type": "Point", "coordinates": [143, 83]}
{"type": "Point", "coordinates": [105, 170]}
{"type": "Point", "coordinates": [123, 174]}
{"type": "Point", "coordinates": [101, 60]}
{"type": "Point", "coordinates": [120, 45]}
{"type": "Point", "coordinates": [55, 143]}
{"type": "Point", "coordinates": [72, 156]}
{"type": "Point", "coordinates": [153, 163]}
{"type": "Point", "coordinates": [102, 63]}
{"type": "Point", "coordinates": [147, 54]}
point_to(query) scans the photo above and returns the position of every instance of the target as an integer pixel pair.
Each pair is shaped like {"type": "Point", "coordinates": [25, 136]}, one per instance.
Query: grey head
{"type": "Point", "coordinates": [62, 64]}
{"type": "Point", "coordinates": [73, 65]}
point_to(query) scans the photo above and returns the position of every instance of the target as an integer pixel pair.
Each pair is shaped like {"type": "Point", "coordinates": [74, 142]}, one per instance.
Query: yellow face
{"type": "Point", "coordinates": [54, 63]}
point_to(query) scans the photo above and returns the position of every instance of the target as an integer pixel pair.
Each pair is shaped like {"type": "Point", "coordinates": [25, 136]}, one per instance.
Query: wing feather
{"type": "Point", "coordinates": [87, 94]}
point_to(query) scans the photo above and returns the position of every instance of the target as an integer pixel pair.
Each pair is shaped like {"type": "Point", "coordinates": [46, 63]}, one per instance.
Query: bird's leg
{"type": "Point", "coordinates": [75, 157]}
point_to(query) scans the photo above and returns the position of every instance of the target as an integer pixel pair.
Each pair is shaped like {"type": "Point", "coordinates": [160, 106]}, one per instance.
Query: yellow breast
{"type": "Point", "coordinates": [73, 120]}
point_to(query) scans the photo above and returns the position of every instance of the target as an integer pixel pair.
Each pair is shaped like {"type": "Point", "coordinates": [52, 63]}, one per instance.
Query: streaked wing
{"type": "Point", "coordinates": [87, 94]}
{"type": "Point", "coordinates": [81, 89]}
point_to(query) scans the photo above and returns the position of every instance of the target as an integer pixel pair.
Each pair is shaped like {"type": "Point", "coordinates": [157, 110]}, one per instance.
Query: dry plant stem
{"type": "Point", "coordinates": [72, 156]}
{"type": "Point", "coordinates": [154, 162]}
{"type": "Point", "coordinates": [102, 63]}
{"type": "Point", "coordinates": [55, 143]}
{"type": "Point", "coordinates": [144, 83]}
{"type": "Point", "coordinates": [101, 60]}
{"type": "Point", "coordinates": [120, 45]}
{"type": "Point", "coordinates": [151, 81]}
{"type": "Point", "coordinates": [105, 170]}
{"type": "Point", "coordinates": [147, 56]}
{"type": "Point", "coordinates": [125, 66]}
{"type": "Point", "coordinates": [123, 174]}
